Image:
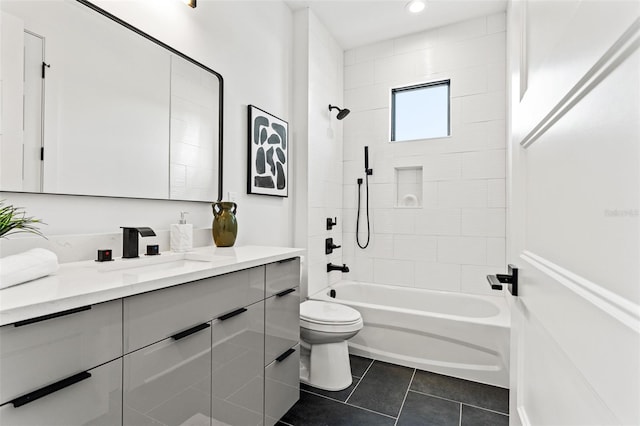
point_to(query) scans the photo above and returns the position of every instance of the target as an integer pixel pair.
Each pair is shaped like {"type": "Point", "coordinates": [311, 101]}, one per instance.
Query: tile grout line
{"type": "Point", "coordinates": [459, 402]}
{"type": "Point", "coordinates": [369, 410]}
{"type": "Point", "coordinates": [359, 381]}
{"type": "Point", "coordinates": [348, 405]}
{"type": "Point", "coordinates": [322, 396]}
{"type": "Point", "coordinates": [405, 396]}
{"type": "Point", "coordinates": [485, 409]}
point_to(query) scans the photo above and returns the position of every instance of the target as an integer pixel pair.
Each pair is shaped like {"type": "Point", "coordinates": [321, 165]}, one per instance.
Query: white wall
{"type": "Point", "coordinates": [320, 72]}
{"type": "Point", "coordinates": [458, 235]}
{"type": "Point", "coordinates": [12, 102]}
{"type": "Point", "coordinates": [250, 44]}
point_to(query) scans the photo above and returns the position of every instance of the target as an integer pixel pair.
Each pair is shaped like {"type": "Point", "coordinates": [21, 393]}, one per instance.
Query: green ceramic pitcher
{"type": "Point", "coordinates": [225, 225]}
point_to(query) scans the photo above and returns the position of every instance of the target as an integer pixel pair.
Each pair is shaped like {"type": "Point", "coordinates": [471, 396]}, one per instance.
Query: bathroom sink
{"type": "Point", "coordinates": [162, 262]}
{"type": "Point", "coordinates": [175, 266]}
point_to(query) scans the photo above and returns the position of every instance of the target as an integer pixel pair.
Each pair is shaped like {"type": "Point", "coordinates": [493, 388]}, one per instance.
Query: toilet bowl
{"type": "Point", "coordinates": [324, 330]}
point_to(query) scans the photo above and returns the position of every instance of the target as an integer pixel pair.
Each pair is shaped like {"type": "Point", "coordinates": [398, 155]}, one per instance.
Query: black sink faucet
{"type": "Point", "coordinates": [331, 267]}
{"type": "Point", "coordinates": [130, 240]}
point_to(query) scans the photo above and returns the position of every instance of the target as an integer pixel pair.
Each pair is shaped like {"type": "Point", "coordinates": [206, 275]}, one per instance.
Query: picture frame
{"type": "Point", "coordinates": [268, 154]}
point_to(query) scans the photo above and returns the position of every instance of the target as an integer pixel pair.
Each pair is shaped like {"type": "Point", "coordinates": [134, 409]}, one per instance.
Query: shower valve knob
{"type": "Point", "coordinates": [331, 223]}
{"type": "Point", "coordinates": [329, 246]}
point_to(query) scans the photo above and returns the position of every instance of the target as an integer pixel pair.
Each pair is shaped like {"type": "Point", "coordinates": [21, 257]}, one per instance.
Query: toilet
{"type": "Point", "coordinates": [324, 330]}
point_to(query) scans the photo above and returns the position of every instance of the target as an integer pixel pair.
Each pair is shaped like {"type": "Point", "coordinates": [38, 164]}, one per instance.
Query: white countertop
{"type": "Point", "coordinates": [85, 283]}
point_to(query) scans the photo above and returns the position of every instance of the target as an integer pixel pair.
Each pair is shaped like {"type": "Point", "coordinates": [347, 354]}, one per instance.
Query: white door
{"type": "Point", "coordinates": [574, 223]}
{"type": "Point", "coordinates": [33, 120]}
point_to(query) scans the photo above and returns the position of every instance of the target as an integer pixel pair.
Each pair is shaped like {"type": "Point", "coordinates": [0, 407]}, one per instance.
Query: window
{"type": "Point", "coordinates": [420, 111]}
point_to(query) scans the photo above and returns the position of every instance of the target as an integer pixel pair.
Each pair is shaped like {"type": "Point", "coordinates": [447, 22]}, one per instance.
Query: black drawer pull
{"type": "Point", "coordinates": [285, 355]}
{"type": "Point", "coordinates": [287, 260]}
{"type": "Point", "coordinates": [232, 314]}
{"type": "Point", "coordinates": [285, 292]}
{"type": "Point", "coordinates": [190, 331]}
{"type": "Point", "coordinates": [51, 316]}
{"type": "Point", "coordinates": [54, 387]}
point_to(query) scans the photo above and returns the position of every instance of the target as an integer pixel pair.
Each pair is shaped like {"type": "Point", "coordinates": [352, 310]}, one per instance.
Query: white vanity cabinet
{"type": "Point", "coordinates": [237, 358]}
{"type": "Point", "coordinates": [63, 368]}
{"type": "Point", "coordinates": [92, 398]}
{"type": "Point", "coordinates": [282, 354]}
{"type": "Point", "coordinates": [282, 317]}
{"type": "Point", "coordinates": [216, 350]}
{"type": "Point", "coordinates": [282, 385]}
{"type": "Point", "coordinates": [174, 339]}
{"type": "Point", "coordinates": [282, 275]}
{"type": "Point", "coordinates": [168, 382]}
{"type": "Point", "coordinates": [156, 315]}
{"type": "Point", "coordinates": [282, 336]}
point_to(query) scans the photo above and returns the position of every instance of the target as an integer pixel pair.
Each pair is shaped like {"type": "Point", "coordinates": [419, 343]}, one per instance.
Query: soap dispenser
{"type": "Point", "coordinates": [181, 235]}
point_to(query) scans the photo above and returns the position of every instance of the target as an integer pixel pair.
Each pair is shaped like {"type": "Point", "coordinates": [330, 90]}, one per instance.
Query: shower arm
{"type": "Point", "coordinates": [342, 112]}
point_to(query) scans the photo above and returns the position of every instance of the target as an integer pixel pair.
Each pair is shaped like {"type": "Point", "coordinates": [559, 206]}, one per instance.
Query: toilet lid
{"type": "Point", "coordinates": [319, 312]}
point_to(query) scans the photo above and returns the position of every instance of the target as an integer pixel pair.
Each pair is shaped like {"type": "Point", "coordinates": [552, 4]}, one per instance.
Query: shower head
{"type": "Point", "coordinates": [342, 112]}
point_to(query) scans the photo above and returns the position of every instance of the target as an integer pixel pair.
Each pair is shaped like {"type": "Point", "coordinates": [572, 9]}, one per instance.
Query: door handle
{"type": "Point", "coordinates": [494, 282]}
{"type": "Point", "coordinates": [511, 279]}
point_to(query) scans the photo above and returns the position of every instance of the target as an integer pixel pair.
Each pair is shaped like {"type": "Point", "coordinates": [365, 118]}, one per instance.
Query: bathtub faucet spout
{"type": "Point", "coordinates": [331, 267]}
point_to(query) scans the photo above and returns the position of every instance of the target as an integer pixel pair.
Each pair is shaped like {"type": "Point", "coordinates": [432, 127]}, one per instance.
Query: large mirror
{"type": "Point", "coordinates": [93, 106]}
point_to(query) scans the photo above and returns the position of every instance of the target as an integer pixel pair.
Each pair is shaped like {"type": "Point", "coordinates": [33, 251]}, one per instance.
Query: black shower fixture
{"type": "Point", "coordinates": [367, 172]}
{"type": "Point", "coordinates": [342, 112]}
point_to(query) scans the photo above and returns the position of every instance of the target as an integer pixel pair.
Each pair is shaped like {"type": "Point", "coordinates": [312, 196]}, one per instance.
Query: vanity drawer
{"type": "Point", "coordinates": [282, 275]}
{"type": "Point", "coordinates": [282, 319]}
{"type": "Point", "coordinates": [282, 385]}
{"type": "Point", "coordinates": [170, 381]}
{"type": "Point", "coordinates": [154, 316]}
{"type": "Point", "coordinates": [44, 349]}
{"type": "Point", "coordinates": [237, 358]}
{"type": "Point", "coordinates": [94, 400]}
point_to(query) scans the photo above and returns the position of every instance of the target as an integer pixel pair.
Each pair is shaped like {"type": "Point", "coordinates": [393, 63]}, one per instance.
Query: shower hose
{"type": "Point", "coordinates": [366, 176]}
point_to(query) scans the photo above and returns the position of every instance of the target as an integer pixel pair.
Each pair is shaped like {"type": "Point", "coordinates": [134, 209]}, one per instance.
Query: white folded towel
{"type": "Point", "coordinates": [27, 266]}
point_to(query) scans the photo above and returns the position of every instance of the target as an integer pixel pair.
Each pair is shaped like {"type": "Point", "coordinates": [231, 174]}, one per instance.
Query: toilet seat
{"type": "Point", "coordinates": [329, 317]}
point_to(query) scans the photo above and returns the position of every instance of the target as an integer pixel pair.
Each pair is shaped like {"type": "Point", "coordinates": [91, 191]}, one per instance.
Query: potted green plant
{"type": "Point", "coordinates": [14, 220]}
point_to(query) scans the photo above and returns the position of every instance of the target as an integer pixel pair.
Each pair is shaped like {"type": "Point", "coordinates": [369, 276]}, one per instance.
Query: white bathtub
{"type": "Point", "coordinates": [459, 335]}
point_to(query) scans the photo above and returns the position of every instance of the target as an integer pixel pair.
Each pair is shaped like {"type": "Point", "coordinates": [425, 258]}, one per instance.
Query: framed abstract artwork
{"type": "Point", "coordinates": [268, 166]}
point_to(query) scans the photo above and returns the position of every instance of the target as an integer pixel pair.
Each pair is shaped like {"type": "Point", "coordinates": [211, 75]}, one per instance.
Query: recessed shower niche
{"type": "Point", "coordinates": [408, 187]}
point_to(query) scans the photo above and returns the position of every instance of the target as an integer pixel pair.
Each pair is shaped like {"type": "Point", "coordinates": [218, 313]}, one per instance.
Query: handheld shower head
{"type": "Point", "coordinates": [342, 112]}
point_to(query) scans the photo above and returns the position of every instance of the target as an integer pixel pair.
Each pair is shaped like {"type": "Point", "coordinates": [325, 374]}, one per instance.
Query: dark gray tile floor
{"type": "Point", "coordinates": [388, 394]}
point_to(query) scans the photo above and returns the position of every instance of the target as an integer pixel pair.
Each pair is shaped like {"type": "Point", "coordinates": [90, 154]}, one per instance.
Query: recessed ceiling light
{"type": "Point", "coordinates": [416, 6]}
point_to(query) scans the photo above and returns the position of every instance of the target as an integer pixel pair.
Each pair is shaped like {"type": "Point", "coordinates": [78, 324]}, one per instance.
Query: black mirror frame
{"type": "Point", "coordinates": [185, 57]}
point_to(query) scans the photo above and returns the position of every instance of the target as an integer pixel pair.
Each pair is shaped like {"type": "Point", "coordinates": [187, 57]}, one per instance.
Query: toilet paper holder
{"type": "Point", "coordinates": [511, 279]}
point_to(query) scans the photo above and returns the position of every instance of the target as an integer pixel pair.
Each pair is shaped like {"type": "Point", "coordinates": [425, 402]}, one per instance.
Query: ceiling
{"type": "Point", "coordinates": [355, 23]}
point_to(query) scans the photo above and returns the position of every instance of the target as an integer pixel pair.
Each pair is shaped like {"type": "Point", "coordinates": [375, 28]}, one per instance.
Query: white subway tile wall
{"type": "Point", "coordinates": [457, 235]}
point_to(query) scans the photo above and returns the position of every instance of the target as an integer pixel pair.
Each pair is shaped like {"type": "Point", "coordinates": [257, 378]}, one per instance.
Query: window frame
{"type": "Point", "coordinates": [406, 88]}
